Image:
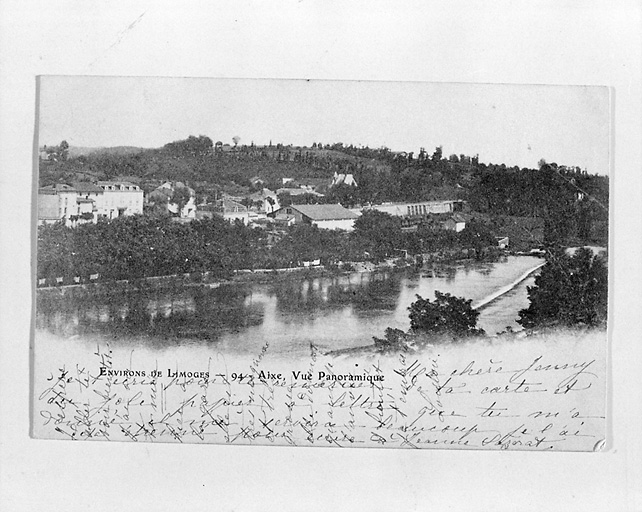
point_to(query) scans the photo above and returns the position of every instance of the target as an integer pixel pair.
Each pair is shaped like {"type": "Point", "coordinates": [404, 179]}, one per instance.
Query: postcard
{"type": "Point", "coordinates": [322, 263]}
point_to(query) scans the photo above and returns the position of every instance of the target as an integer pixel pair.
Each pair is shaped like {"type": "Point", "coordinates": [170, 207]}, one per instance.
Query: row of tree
{"type": "Point", "coordinates": [143, 246]}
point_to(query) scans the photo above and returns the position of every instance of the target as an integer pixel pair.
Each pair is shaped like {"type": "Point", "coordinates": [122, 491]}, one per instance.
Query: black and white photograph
{"type": "Point", "coordinates": [322, 263]}
{"type": "Point", "coordinates": [320, 255]}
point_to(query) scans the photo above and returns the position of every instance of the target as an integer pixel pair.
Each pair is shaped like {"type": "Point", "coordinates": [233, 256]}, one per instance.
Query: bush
{"type": "Point", "coordinates": [395, 340]}
{"type": "Point", "coordinates": [445, 315]}
{"type": "Point", "coordinates": [570, 290]}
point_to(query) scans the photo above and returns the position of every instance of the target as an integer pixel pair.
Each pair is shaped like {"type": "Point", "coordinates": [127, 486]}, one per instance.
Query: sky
{"type": "Point", "coordinates": [511, 124]}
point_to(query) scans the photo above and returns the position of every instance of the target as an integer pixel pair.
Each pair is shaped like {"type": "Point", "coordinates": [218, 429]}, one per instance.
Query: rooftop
{"type": "Point", "coordinates": [58, 187]}
{"type": "Point", "coordinates": [85, 186]}
{"type": "Point", "coordinates": [297, 191]}
{"type": "Point", "coordinates": [324, 211]}
{"type": "Point", "coordinates": [407, 203]}
{"type": "Point", "coordinates": [126, 183]}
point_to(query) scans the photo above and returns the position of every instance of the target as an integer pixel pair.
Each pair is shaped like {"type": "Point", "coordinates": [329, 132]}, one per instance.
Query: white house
{"type": "Point", "coordinates": [419, 208]}
{"type": "Point", "coordinates": [299, 191]}
{"type": "Point", "coordinates": [164, 194]}
{"type": "Point", "coordinates": [455, 223]}
{"type": "Point", "coordinates": [502, 241]}
{"type": "Point", "coordinates": [233, 211]}
{"type": "Point", "coordinates": [72, 204]}
{"type": "Point", "coordinates": [57, 202]}
{"type": "Point", "coordinates": [325, 216]}
{"type": "Point", "coordinates": [268, 199]}
{"type": "Point", "coordinates": [343, 179]}
{"type": "Point", "coordinates": [119, 198]}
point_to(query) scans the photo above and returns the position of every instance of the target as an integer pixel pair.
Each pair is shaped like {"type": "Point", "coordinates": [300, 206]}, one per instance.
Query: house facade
{"type": "Point", "coordinates": [324, 216]}
{"type": "Point", "coordinates": [71, 204]}
{"type": "Point", "coordinates": [234, 211]}
{"type": "Point", "coordinates": [343, 179]}
{"type": "Point", "coordinates": [119, 198]}
{"type": "Point", "coordinates": [419, 208]}
{"type": "Point", "coordinates": [85, 202]}
{"type": "Point", "coordinates": [502, 242]}
{"type": "Point", "coordinates": [299, 191]}
{"type": "Point", "coordinates": [164, 195]}
{"type": "Point", "coordinates": [455, 223]}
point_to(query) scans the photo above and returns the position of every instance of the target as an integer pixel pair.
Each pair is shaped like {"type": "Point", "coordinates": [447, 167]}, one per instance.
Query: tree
{"type": "Point", "coordinates": [64, 150]}
{"type": "Point", "coordinates": [379, 234]}
{"type": "Point", "coordinates": [477, 235]}
{"type": "Point", "coordinates": [284, 198]}
{"type": "Point", "coordinates": [181, 197]}
{"type": "Point", "coordinates": [343, 194]}
{"type": "Point", "coordinates": [200, 146]}
{"type": "Point", "coordinates": [570, 290]}
{"type": "Point", "coordinates": [445, 315]}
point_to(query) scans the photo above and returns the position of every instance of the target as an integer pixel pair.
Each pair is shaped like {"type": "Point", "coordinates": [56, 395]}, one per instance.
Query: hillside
{"type": "Point", "coordinates": [566, 201]}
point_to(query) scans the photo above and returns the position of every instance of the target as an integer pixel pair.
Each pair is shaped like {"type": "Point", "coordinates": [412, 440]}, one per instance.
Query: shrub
{"type": "Point", "coordinates": [570, 290]}
{"type": "Point", "coordinates": [445, 315]}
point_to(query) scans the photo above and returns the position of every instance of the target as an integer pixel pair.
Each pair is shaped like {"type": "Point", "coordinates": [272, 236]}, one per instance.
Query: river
{"type": "Point", "coordinates": [288, 315]}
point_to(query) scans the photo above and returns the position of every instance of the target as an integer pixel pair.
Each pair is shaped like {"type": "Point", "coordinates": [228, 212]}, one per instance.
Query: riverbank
{"type": "Point", "coordinates": [423, 343]}
{"type": "Point", "coordinates": [289, 311]}
{"type": "Point", "coordinates": [210, 279]}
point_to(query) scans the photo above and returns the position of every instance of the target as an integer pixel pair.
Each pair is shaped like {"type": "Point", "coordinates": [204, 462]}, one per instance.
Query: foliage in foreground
{"type": "Point", "coordinates": [447, 317]}
{"type": "Point", "coordinates": [569, 291]}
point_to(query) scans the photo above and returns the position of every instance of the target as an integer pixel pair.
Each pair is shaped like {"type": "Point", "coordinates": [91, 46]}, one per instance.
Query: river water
{"type": "Point", "coordinates": [289, 314]}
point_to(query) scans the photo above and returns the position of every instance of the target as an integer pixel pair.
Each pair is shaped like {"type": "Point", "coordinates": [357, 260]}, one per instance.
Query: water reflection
{"type": "Point", "coordinates": [191, 312]}
{"type": "Point", "coordinates": [336, 312]}
{"type": "Point", "coordinates": [361, 291]}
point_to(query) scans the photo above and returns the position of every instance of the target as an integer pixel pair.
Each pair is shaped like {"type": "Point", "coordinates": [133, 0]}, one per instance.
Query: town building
{"type": "Point", "coordinates": [83, 202]}
{"type": "Point", "coordinates": [71, 204]}
{"type": "Point", "coordinates": [502, 242]}
{"type": "Point", "coordinates": [229, 209]}
{"type": "Point", "coordinates": [343, 179]}
{"type": "Point", "coordinates": [89, 199]}
{"type": "Point", "coordinates": [119, 198]}
{"type": "Point", "coordinates": [268, 200]}
{"type": "Point", "coordinates": [419, 208]}
{"type": "Point", "coordinates": [455, 223]}
{"type": "Point", "coordinates": [165, 196]}
{"type": "Point", "coordinates": [325, 216]}
{"type": "Point", "coordinates": [256, 181]}
{"type": "Point", "coordinates": [234, 211]}
{"type": "Point", "coordinates": [57, 203]}
{"type": "Point", "coordinates": [299, 191]}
